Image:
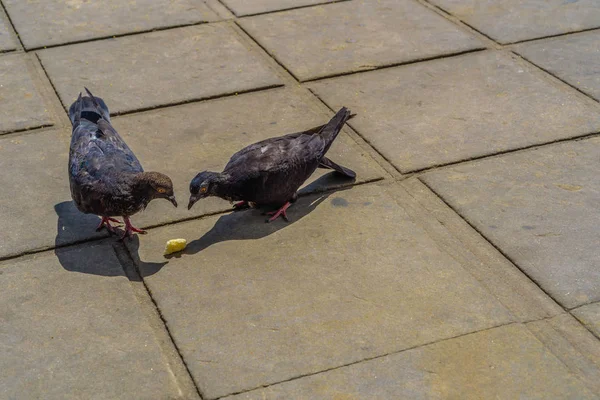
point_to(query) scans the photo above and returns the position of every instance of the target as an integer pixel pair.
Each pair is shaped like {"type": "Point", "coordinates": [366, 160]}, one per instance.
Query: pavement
{"type": "Point", "coordinates": [462, 263]}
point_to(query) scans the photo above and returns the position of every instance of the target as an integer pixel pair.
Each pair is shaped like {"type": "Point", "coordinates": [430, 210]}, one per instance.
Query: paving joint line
{"type": "Point", "coordinates": [539, 67]}
{"type": "Point", "coordinates": [391, 353]}
{"type": "Point", "coordinates": [119, 35]}
{"type": "Point", "coordinates": [132, 270]}
{"type": "Point", "coordinates": [32, 128]}
{"type": "Point", "coordinates": [399, 64]}
{"type": "Point", "coordinates": [12, 25]}
{"type": "Point", "coordinates": [502, 252]}
{"type": "Point", "coordinates": [325, 3]}
{"type": "Point", "coordinates": [556, 35]}
{"type": "Point", "coordinates": [422, 171]}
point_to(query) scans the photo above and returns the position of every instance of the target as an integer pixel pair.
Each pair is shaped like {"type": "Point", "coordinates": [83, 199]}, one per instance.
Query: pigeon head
{"type": "Point", "coordinates": [158, 186]}
{"type": "Point", "coordinates": [202, 186]}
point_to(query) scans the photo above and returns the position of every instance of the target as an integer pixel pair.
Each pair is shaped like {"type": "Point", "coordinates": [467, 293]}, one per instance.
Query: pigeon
{"type": "Point", "coordinates": [106, 178]}
{"type": "Point", "coordinates": [269, 172]}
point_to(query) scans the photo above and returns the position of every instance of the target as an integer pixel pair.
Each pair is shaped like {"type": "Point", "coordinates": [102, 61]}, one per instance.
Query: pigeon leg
{"type": "Point", "coordinates": [130, 229]}
{"type": "Point", "coordinates": [106, 223]}
{"type": "Point", "coordinates": [279, 213]}
{"type": "Point", "coordinates": [241, 204]}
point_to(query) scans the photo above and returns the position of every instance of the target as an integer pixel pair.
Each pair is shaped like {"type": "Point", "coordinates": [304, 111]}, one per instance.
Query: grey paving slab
{"type": "Point", "coordinates": [540, 208]}
{"type": "Point", "coordinates": [68, 333]}
{"type": "Point", "coordinates": [573, 58]}
{"type": "Point", "coordinates": [7, 40]}
{"type": "Point", "coordinates": [180, 141]}
{"type": "Point", "coordinates": [52, 22]}
{"type": "Point", "coordinates": [589, 315]}
{"type": "Point", "coordinates": [352, 276]}
{"type": "Point", "coordinates": [152, 69]}
{"type": "Point", "coordinates": [509, 21]}
{"type": "Point", "coordinates": [443, 111]}
{"type": "Point", "coordinates": [21, 105]}
{"type": "Point", "coordinates": [502, 363]}
{"type": "Point", "coordinates": [243, 7]}
{"type": "Point", "coordinates": [356, 35]}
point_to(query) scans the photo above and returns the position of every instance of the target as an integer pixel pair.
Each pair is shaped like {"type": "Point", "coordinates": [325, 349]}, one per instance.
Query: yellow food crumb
{"type": "Point", "coordinates": [175, 245]}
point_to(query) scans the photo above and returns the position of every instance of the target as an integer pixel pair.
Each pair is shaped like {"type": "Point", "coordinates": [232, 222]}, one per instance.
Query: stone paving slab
{"type": "Point", "coordinates": [244, 7]}
{"type": "Point", "coordinates": [356, 35]}
{"type": "Point", "coordinates": [589, 315]}
{"type": "Point", "coordinates": [68, 333]}
{"type": "Point", "coordinates": [574, 59]}
{"type": "Point", "coordinates": [351, 277]}
{"type": "Point", "coordinates": [443, 111]}
{"type": "Point", "coordinates": [180, 141]}
{"type": "Point", "coordinates": [509, 21]}
{"type": "Point", "coordinates": [501, 363]}
{"type": "Point", "coordinates": [52, 22]}
{"type": "Point", "coordinates": [21, 105]}
{"type": "Point", "coordinates": [158, 68]}
{"type": "Point", "coordinates": [29, 214]}
{"type": "Point", "coordinates": [540, 208]}
{"type": "Point", "coordinates": [7, 40]}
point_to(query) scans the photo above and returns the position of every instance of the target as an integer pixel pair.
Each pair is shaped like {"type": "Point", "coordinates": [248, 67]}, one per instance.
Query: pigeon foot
{"type": "Point", "coordinates": [130, 229]}
{"type": "Point", "coordinates": [279, 213]}
{"type": "Point", "coordinates": [105, 223]}
{"type": "Point", "coordinates": [241, 205]}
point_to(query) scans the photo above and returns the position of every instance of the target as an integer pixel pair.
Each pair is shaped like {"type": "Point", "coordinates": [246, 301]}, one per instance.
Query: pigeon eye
{"type": "Point", "coordinates": [203, 190]}
{"type": "Point", "coordinates": [161, 190]}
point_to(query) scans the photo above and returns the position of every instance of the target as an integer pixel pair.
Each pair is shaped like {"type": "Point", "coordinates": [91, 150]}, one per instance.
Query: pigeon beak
{"type": "Point", "coordinates": [192, 201]}
{"type": "Point", "coordinates": [172, 200]}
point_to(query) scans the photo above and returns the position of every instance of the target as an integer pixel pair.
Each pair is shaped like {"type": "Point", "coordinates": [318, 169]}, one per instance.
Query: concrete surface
{"type": "Point", "coordinates": [574, 59]}
{"type": "Point", "coordinates": [21, 105]}
{"type": "Point", "coordinates": [66, 335]}
{"type": "Point", "coordinates": [52, 22]}
{"type": "Point", "coordinates": [509, 21]}
{"type": "Point", "coordinates": [243, 7]}
{"type": "Point", "coordinates": [538, 206]}
{"type": "Point", "coordinates": [315, 297]}
{"type": "Point", "coordinates": [487, 364]}
{"type": "Point", "coordinates": [427, 114]}
{"type": "Point", "coordinates": [461, 262]}
{"type": "Point", "coordinates": [352, 36]}
{"type": "Point", "coordinates": [158, 68]}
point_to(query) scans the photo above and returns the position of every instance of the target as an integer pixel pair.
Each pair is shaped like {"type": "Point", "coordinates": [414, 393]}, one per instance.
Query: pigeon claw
{"type": "Point", "coordinates": [130, 229]}
{"type": "Point", "coordinates": [279, 213]}
{"type": "Point", "coordinates": [105, 223]}
{"type": "Point", "coordinates": [241, 205]}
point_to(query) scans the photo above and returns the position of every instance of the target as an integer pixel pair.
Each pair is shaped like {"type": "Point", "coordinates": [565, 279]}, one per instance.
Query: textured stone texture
{"type": "Point", "coordinates": [589, 315]}
{"type": "Point", "coordinates": [245, 7]}
{"type": "Point", "coordinates": [574, 59]}
{"type": "Point", "coordinates": [540, 208]}
{"type": "Point", "coordinates": [444, 111]}
{"type": "Point", "coordinates": [157, 68]}
{"type": "Point", "coordinates": [21, 105]}
{"type": "Point", "coordinates": [508, 21]}
{"type": "Point", "coordinates": [7, 40]}
{"type": "Point", "coordinates": [501, 363]}
{"type": "Point", "coordinates": [51, 22]}
{"type": "Point", "coordinates": [179, 141]}
{"type": "Point", "coordinates": [29, 214]}
{"type": "Point", "coordinates": [356, 35]}
{"type": "Point", "coordinates": [351, 277]}
{"type": "Point", "coordinates": [76, 335]}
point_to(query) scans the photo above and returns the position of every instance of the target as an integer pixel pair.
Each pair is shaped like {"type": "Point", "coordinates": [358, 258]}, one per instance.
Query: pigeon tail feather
{"type": "Point", "coordinates": [331, 129]}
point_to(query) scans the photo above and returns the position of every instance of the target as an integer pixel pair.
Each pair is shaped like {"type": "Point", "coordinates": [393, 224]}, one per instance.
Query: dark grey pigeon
{"type": "Point", "coordinates": [269, 173]}
{"type": "Point", "coordinates": [106, 177]}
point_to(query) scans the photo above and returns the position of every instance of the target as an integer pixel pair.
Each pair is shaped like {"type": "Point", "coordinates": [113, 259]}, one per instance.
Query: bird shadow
{"type": "Point", "coordinates": [74, 226]}
{"type": "Point", "coordinates": [250, 224]}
